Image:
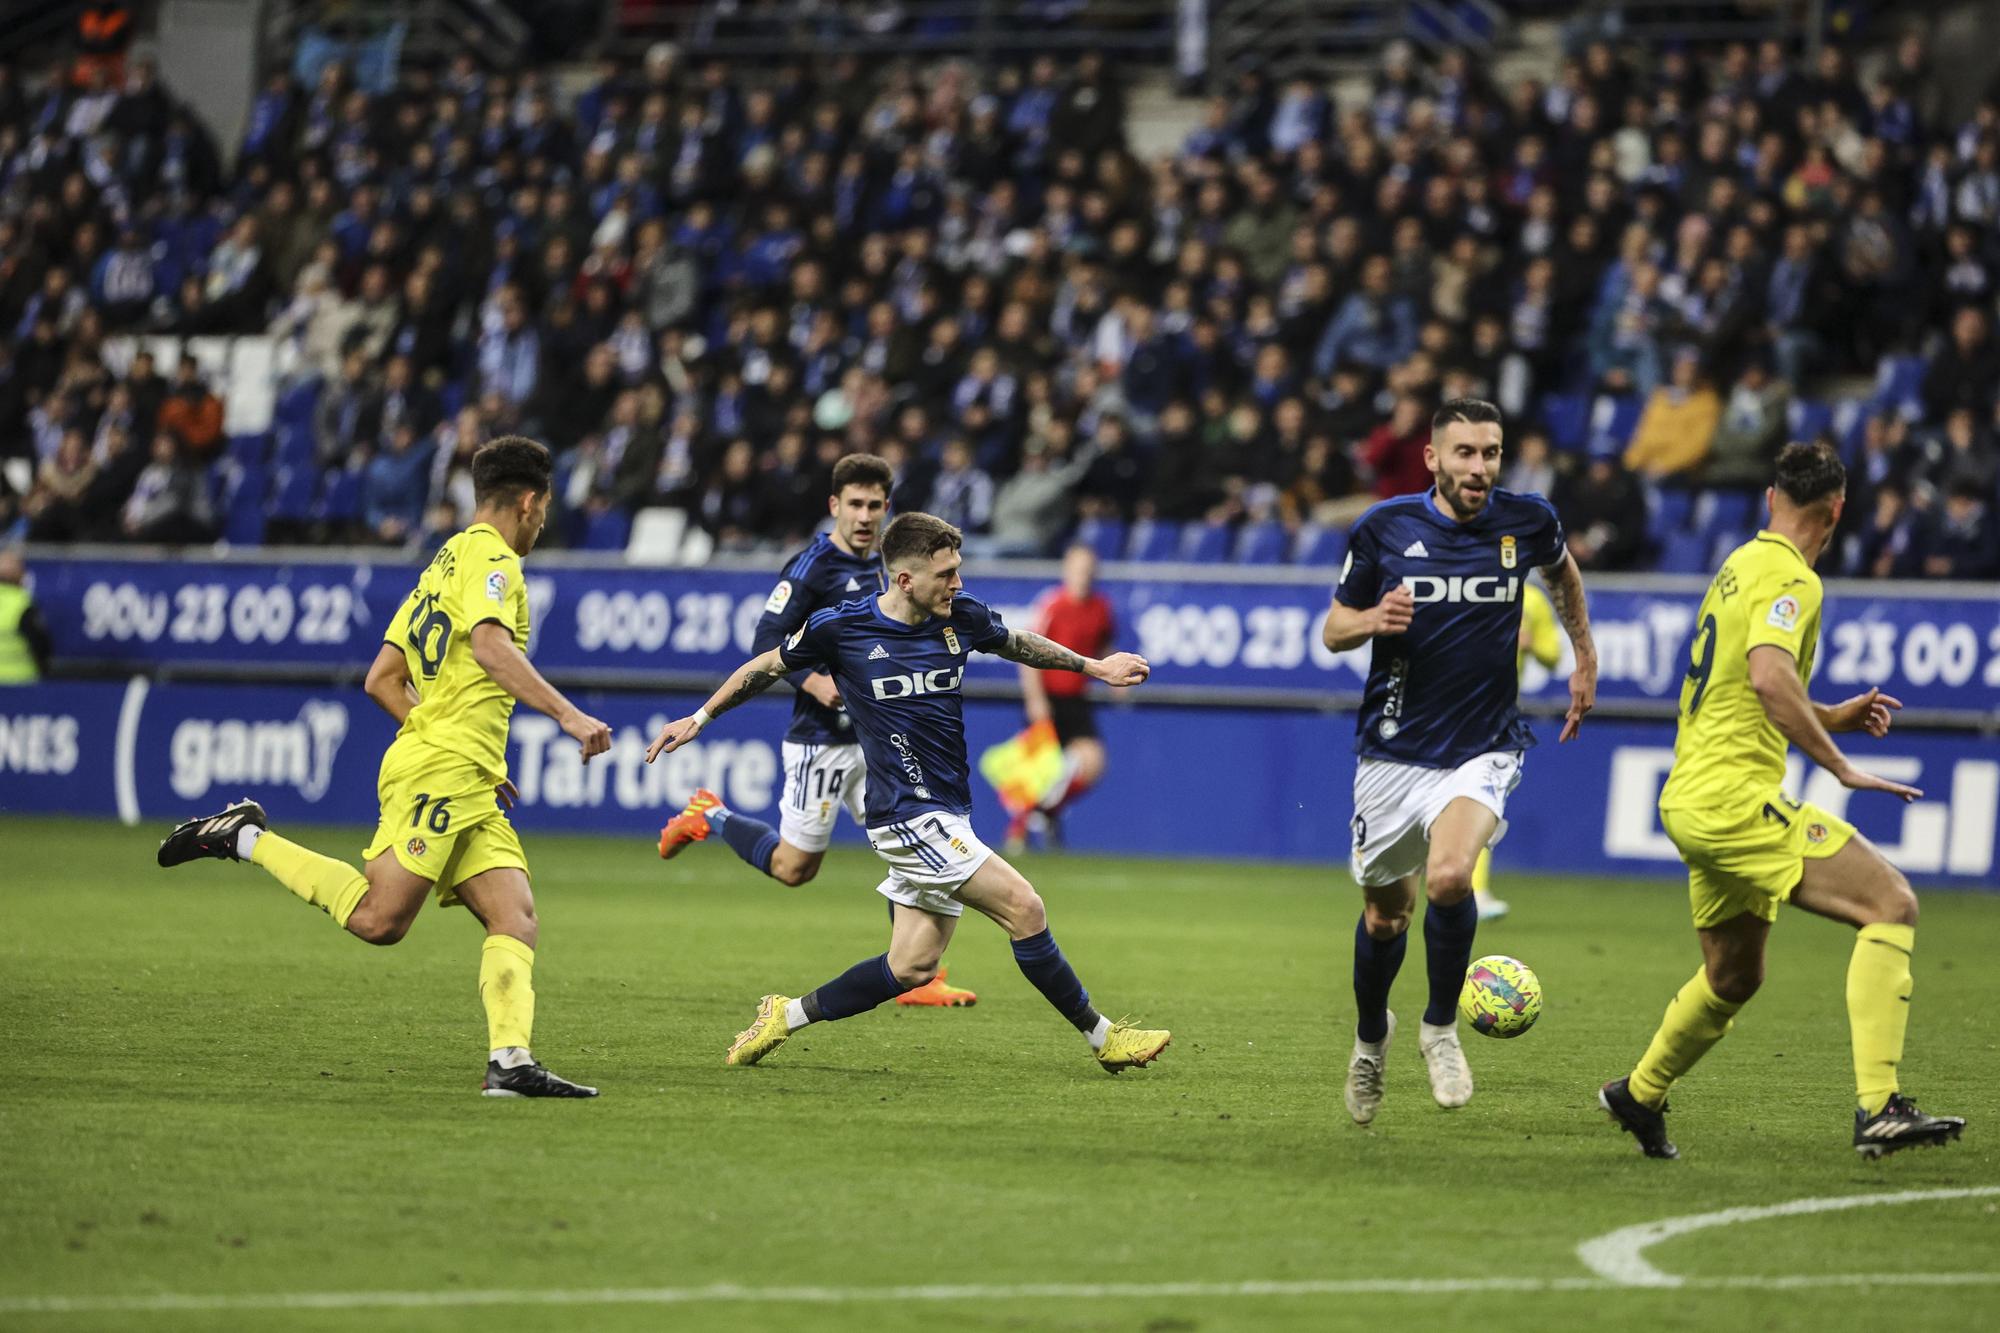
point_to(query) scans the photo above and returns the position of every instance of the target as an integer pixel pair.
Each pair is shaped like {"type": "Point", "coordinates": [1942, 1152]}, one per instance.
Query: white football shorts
{"type": "Point", "coordinates": [820, 781]}
{"type": "Point", "coordinates": [930, 857]}
{"type": "Point", "coordinates": [1395, 804]}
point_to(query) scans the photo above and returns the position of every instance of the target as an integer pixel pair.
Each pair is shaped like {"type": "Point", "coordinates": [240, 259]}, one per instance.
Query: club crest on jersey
{"type": "Point", "coordinates": [951, 638]}
{"type": "Point", "coordinates": [416, 847]}
{"type": "Point", "coordinates": [496, 586]}
{"type": "Point", "coordinates": [1816, 833]}
{"type": "Point", "coordinates": [1507, 554]}
{"type": "Point", "coordinates": [1784, 613]}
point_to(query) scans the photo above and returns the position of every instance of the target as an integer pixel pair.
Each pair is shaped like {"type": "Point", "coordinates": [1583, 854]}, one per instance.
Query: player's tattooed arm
{"type": "Point", "coordinates": [748, 681]}
{"type": "Point", "coordinates": [1034, 650]}
{"type": "Point", "coordinates": [1565, 584]}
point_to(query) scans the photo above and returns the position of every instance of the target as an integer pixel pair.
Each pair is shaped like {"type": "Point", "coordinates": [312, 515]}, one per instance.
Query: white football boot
{"type": "Point", "coordinates": [1451, 1077]}
{"type": "Point", "coordinates": [1364, 1075]}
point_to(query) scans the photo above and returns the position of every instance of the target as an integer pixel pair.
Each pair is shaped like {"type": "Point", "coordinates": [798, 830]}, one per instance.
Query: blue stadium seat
{"type": "Point", "coordinates": [1808, 419]}
{"type": "Point", "coordinates": [1321, 546]}
{"type": "Point", "coordinates": [607, 531]}
{"type": "Point", "coordinates": [1566, 416]}
{"type": "Point", "coordinates": [1155, 540]}
{"type": "Point", "coordinates": [1612, 420]}
{"type": "Point", "coordinates": [339, 496]}
{"type": "Point", "coordinates": [1262, 544]}
{"type": "Point", "coordinates": [1671, 506]}
{"type": "Point", "coordinates": [1899, 384]}
{"type": "Point", "coordinates": [1206, 543]}
{"type": "Point", "coordinates": [248, 450]}
{"type": "Point", "coordinates": [293, 489]}
{"type": "Point", "coordinates": [1718, 512]}
{"type": "Point", "coordinates": [1684, 553]}
{"type": "Point", "coordinates": [243, 506]}
{"type": "Point", "coordinates": [1105, 536]}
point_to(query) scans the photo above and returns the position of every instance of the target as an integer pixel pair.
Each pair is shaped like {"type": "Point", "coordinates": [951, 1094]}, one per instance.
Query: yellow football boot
{"type": "Point", "coordinates": [762, 1037]}
{"type": "Point", "coordinates": [1126, 1046]}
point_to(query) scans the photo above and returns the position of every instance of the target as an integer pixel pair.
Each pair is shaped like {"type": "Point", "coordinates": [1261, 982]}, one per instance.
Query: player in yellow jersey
{"type": "Point", "coordinates": [450, 667]}
{"type": "Point", "coordinates": [1749, 847]}
{"type": "Point", "coordinates": [1540, 640]}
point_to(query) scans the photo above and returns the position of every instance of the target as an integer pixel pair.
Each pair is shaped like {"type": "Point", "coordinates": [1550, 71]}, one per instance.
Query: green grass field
{"type": "Point", "coordinates": [213, 1093]}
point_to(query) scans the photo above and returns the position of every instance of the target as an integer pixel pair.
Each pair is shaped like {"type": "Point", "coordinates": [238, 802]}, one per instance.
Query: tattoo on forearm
{"type": "Point", "coordinates": [1565, 584]}
{"type": "Point", "coordinates": [754, 682]}
{"type": "Point", "coordinates": [1031, 649]}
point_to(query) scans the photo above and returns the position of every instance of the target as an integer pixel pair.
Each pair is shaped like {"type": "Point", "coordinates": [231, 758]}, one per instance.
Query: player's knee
{"type": "Point", "coordinates": [792, 873]}
{"type": "Point", "coordinates": [1448, 879]}
{"type": "Point", "coordinates": [373, 928]}
{"type": "Point", "coordinates": [1735, 982]}
{"type": "Point", "coordinates": [1386, 925]}
{"type": "Point", "coordinates": [1027, 913]}
{"type": "Point", "coordinates": [911, 973]}
{"type": "Point", "coordinates": [1899, 901]}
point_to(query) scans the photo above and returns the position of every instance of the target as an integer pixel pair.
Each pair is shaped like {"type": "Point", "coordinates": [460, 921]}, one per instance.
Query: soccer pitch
{"type": "Point", "coordinates": [223, 1113]}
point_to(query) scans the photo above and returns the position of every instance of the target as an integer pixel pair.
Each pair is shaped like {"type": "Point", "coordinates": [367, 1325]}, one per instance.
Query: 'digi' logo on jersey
{"type": "Point", "coordinates": [1458, 588]}
{"type": "Point", "coordinates": [942, 681]}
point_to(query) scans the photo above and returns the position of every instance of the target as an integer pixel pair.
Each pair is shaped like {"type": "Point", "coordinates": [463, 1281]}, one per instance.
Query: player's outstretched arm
{"type": "Point", "coordinates": [1349, 627]}
{"type": "Point", "coordinates": [493, 648]}
{"type": "Point", "coordinates": [1565, 585]}
{"type": "Point", "coordinates": [1775, 676]}
{"type": "Point", "coordinates": [746, 682]}
{"type": "Point", "coordinates": [389, 684]}
{"type": "Point", "coordinates": [1034, 650]}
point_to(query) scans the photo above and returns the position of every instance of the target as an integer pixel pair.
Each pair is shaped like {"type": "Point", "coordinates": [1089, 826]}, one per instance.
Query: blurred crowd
{"type": "Point", "coordinates": [701, 283]}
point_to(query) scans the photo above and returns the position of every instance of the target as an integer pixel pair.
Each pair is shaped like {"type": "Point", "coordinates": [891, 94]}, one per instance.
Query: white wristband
{"type": "Point", "coordinates": [701, 719]}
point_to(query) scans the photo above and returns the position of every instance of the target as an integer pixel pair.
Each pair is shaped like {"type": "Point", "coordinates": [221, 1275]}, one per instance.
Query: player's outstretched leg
{"type": "Point", "coordinates": [1000, 892]}
{"type": "Point", "coordinates": [1857, 885]}
{"type": "Point", "coordinates": [916, 943]}
{"type": "Point", "coordinates": [242, 833]}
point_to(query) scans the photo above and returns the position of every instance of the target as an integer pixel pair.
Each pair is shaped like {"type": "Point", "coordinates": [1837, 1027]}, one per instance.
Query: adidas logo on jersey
{"type": "Point", "coordinates": [854, 585]}
{"type": "Point", "coordinates": [1416, 551]}
{"type": "Point", "coordinates": [878, 652]}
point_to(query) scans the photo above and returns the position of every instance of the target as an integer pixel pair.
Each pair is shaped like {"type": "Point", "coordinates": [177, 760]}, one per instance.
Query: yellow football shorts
{"type": "Point", "coordinates": [440, 819]}
{"type": "Point", "coordinates": [1749, 857]}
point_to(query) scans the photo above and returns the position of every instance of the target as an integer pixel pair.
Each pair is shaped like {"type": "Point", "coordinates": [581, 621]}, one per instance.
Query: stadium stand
{"type": "Point", "coordinates": [702, 280]}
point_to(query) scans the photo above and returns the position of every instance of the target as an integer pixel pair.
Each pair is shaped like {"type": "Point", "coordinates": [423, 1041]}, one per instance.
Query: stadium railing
{"type": "Point", "coordinates": [982, 29]}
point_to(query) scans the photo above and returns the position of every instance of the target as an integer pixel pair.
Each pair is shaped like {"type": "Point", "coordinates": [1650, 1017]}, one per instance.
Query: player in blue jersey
{"type": "Point", "coordinates": [898, 658]}
{"type": "Point", "coordinates": [1435, 581]}
{"type": "Point", "coordinates": [824, 772]}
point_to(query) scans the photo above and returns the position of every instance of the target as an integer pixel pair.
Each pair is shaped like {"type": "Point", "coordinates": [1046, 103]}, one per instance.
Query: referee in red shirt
{"type": "Point", "coordinates": [1078, 617]}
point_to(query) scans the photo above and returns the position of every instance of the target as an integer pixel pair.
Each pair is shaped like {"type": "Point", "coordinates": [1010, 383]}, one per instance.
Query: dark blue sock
{"type": "Point", "coordinates": [1376, 963]}
{"type": "Point", "coordinates": [1448, 933]}
{"type": "Point", "coordinates": [1043, 963]}
{"type": "Point", "coordinates": [751, 839]}
{"type": "Point", "coordinates": [855, 991]}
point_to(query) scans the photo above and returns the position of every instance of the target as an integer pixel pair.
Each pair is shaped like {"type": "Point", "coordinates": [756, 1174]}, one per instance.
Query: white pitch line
{"type": "Point", "coordinates": [733, 1295]}
{"type": "Point", "coordinates": [1619, 1257]}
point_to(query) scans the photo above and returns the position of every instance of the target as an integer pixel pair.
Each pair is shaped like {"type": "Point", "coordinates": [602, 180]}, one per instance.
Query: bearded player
{"type": "Point", "coordinates": [1749, 847]}
{"type": "Point", "coordinates": [449, 669]}
{"type": "Point", "coordinates": [824, 770]}
{"type": "Point", "coordinates": [1434, 581]}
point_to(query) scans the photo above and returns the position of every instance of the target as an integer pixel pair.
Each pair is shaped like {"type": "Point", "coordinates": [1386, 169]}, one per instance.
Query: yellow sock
{"type": "Point", "coordinates": [1878, 1008]}
{"type": "Point", "coordinates": [507, 988]}
{"type": "Point", "coordinates": [1696, 1019]}
{"type": "Point", "coordinates": [334, 887]}
{"type": "Point", "coordinates": [1482, 871]}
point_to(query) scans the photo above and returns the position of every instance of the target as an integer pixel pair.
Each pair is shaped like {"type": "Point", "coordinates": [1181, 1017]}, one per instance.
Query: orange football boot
{"type": "Point", "coordinates": [690, 825]}
{"type": "Point", "coordinates": [936, 994]}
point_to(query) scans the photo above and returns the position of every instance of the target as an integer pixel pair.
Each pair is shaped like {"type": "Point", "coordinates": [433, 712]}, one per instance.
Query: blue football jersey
{"type": "Point", "coordinates": [901, 683]}
{"type": "Point", "coordinates": [1445, 690]}
{"type": "Point", "coordinates": [816, 578]}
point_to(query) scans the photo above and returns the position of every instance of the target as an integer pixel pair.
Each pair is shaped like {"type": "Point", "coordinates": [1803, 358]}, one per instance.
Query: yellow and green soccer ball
{"type": "Point", "coordinates": [1502, 996]}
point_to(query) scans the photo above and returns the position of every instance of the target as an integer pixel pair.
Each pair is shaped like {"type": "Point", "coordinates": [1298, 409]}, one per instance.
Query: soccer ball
{"type": "Point", "coordinates": [1502, 997]}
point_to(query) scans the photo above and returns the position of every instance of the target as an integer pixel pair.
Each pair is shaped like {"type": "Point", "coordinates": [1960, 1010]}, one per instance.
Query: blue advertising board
{"type": "Point", "coordinates": [1213, 635]}
{"type": "Point", "coordinates": [1235, 783]}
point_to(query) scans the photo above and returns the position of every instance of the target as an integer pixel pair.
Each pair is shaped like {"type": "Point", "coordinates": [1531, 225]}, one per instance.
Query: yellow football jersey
{"type": "Point", "coordinates": [474, 577]}
{"type": "Point", "coordinates": [1538, 627]}
{"type": "Point", "coordinates": [1727, 747]}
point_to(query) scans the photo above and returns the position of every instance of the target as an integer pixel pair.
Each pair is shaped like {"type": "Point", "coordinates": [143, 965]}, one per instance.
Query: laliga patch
{"type": "Point", "coordinates": [496, 586]}
{"type": "Point", "coordinates": [1507, 553]}
{"type": "Point", "coordinates": [797, 634]}
{"type": "Point", "coordinates": [1784, 613]}
{"type": "Point", "coordinates": [951, 638]}
{"type": "Point", "coordinates": [416, 847]}
{"type": "Point", "coordinates": [780, 595]}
